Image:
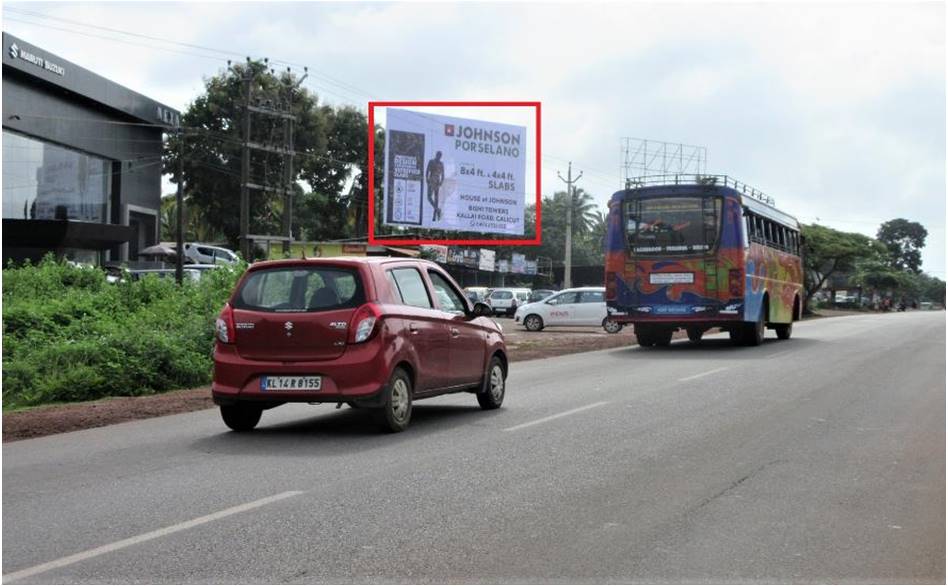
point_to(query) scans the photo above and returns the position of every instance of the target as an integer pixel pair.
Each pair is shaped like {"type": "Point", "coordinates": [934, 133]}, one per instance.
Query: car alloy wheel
{"type": "Point", "coordinates": [497, 383]}
{"type": "Point", "coordinates": [533, 323]}
{"type": "Point", "coordinates": [493, 388]}
{"type": "Point", "coordinates": [611, 326]}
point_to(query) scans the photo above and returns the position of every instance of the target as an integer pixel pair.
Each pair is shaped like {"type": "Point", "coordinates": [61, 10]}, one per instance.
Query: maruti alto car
{"type": "Point", "coordinates": [376, 333]}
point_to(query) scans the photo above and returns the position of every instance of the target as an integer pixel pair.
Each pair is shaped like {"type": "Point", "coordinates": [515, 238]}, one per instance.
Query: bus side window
{"type": "Point", "coordinates": [782, 237]}
{"type": "Point", "coordinates": [748, 228]}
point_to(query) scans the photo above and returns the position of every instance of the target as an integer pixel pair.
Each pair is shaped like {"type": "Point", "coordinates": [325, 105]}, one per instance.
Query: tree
{"type": "Point", "coordinates": [212, 137]}
{"type": "Point", "coordinates": [827, 251]}
{"type": "Point", "coordinates": [904, 240]}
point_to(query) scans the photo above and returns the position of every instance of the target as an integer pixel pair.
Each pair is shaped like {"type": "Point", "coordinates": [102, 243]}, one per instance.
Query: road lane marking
{"type": "Point", "coordinates": [699, 375]}
{"type": "Point", "coordinates": [781, 353]}
{"type": "Point", "coordinates": [557, 416]}
{"type": "Point", "coordinates": [117, 545]}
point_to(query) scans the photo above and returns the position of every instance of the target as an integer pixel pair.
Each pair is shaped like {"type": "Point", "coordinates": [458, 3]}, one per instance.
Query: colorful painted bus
{"type": "Point", "coordinates": [701, 252]}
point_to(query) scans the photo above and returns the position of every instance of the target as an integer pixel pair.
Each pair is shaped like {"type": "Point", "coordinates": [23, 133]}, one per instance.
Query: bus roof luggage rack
{"type": "Point", "coordinates": [697, 179]}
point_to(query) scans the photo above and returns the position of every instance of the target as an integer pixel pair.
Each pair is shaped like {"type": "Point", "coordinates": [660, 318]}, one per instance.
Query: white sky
{"type": "Point", "coordinates": [838, 110]}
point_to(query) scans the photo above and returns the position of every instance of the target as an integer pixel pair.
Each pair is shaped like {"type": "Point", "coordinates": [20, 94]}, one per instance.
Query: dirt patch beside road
{"type": "Point", "coordinates": [50, 419]}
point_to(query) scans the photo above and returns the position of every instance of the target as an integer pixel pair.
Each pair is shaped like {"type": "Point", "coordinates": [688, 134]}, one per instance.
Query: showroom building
{"type": "Point", "coordinates": [81, 160]}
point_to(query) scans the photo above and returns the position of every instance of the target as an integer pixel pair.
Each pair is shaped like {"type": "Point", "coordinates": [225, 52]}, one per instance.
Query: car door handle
{"type": "Point", "coordinates": [455, 332]}
{"type": "Point", "coordinates": [412, 328]}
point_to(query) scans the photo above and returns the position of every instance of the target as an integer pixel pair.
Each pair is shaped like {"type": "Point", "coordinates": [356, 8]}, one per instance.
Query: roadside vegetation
{"type": "Point", "coordinates": [70, 335]}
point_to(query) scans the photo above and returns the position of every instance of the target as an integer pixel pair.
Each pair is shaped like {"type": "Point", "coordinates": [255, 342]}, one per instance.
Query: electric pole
{"type": "Point", "coordinates": [179, 209]}
{"type": "Point", "coordinates": [245, 246]}
{"type": "Point", "coordinates": [568, 266]}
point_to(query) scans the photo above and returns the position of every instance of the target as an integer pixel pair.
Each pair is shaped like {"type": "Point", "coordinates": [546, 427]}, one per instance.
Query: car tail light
{"type": "Point", "coordinates": [735, 286]}
{"type": "Point", "coordinates": [364, 323]}
{"type": "Point", "coordinates": [226, 332]}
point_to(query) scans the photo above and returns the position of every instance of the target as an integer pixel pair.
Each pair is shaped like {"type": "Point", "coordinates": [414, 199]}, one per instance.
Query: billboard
{"type": "Point", "coordinates": [531, 267]}
{"type": "Point", "coordinates": [503, 266]}
{"type": "Point", "coordinates": [452, 173]}
{"type": "Point", "coordinates": [518, 263]}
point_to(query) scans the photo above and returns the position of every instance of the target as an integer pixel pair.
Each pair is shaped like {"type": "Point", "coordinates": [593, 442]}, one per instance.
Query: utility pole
{"type": "Point", "coordinates": [568, 267]}
{"type": "Point", "coordinates": [179, 209]}
{"type": "Point", "coordinates": [245, 250]}
{"type": "Point", "coordinates": [288, 147]}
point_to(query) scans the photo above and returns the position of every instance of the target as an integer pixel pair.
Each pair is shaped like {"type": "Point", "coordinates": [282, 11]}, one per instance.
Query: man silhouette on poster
{"type": "Point", "coordinates": [434, 175]}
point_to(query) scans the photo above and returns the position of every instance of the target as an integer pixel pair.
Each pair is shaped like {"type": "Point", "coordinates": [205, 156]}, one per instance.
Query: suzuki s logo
{"type": "Point", "coordinates": [288, 326]}
{"type": "Point", "coordinates": [14, 51]}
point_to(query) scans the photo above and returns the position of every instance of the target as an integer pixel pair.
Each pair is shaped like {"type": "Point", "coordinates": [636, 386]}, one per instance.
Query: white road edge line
{"type": "Point", "coordinates": [108, 548]}
{"type": "Point", "coordinates": [557, 416]}
{"type": "Point", "coordinates": [699, 375]}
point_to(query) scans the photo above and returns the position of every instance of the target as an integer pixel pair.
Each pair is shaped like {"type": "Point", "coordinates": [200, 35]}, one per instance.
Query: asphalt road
{"type": "Point", "coordinates": [819, 459]}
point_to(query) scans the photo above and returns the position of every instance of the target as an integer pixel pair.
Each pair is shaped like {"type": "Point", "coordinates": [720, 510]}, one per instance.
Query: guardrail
{"type": "Point", "coordinates": [693, 179]}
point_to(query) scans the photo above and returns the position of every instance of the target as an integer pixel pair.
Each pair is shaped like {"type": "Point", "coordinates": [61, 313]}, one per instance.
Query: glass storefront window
{"type": "Point", "coordinates": [43, 181]}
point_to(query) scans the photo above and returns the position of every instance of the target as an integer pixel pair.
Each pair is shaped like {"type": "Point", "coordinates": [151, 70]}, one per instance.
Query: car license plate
{"type": "Point", "coordinates": [291, 383]}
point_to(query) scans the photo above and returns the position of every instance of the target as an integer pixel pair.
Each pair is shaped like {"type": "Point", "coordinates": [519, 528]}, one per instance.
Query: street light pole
{"type": "Point", "coordinates": [179, 208]}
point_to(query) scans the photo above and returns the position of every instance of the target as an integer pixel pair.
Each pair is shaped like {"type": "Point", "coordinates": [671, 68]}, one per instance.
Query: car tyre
{"type": "Point", "coordinates": [395, 413]}
{"type": "Point", "coordinates": [491, 395]}
{"type": "Point", "coordinates": [241, 418]}
{"type": "Point", "coordinates": [533, 322]}
{"type": "Point", "coordinates": [611, 326]}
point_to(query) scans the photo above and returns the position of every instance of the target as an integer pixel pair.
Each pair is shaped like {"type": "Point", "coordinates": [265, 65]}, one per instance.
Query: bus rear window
{"type": "Point", "coordinates": [300, 289]}
{"type": "Point", "coordinates": [672, 226]}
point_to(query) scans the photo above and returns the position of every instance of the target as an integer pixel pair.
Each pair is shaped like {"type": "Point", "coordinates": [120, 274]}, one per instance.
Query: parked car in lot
{"type": "Point", "coordinates": [507, 300]}
{"type": "Point", "coordinates": [207, 254]}
{"type": "Point", "coordinates": [581, 306]}
{"type": "Point", "coordinates": [138, 274]}
{"type": "Point", "coordinates": [477, 294]}
{"type": "Point", "coordinates": [539, 295]}
{"type": "Point", "coordinates": [372, 332]}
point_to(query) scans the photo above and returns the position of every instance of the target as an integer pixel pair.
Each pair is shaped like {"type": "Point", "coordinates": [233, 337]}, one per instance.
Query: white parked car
{"type": "Point", "coordinates": [582, 306]}
{"type": "Point", "coordinates": [207, 254]}
{"type": "Point", "coordinates": [507, 300]}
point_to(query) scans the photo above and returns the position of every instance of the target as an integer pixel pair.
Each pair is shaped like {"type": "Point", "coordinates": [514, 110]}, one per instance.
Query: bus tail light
{"type": "Point", "coordinates": [735, 285]}
{"type": "Point", "coordinates": [610, 286]}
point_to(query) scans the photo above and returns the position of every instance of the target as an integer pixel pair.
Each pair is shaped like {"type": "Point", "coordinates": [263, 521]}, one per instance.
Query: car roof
{"type": "Point", "coordinates": [338, 260]}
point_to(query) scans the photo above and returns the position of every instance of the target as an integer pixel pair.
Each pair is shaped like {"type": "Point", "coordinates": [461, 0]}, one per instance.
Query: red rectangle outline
{"type": "Point", "coordinates": [470, 242]}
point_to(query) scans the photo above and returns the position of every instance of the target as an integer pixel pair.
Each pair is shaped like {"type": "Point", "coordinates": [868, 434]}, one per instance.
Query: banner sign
{"type": "Point", "coordinates": [487, 260]}
{"type": "Point", "coordinates": [469, 258]}
{"type": "Point", "coordinates": [503, 266]}
{"type": "Point", "coordinates": [453, 173]}
{"type": "Point", "coordinates": [518, 263]}
{"type": "Point", "coordinates": [531, 267]}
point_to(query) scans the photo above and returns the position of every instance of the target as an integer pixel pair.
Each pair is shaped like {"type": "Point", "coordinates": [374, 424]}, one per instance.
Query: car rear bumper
{"type": "Point", "coordinates": [358, 375]}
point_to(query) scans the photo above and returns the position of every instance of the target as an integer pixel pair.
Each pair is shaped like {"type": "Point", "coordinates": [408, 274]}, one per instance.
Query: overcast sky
{"type": "Point", "coordinates": [837, 111]}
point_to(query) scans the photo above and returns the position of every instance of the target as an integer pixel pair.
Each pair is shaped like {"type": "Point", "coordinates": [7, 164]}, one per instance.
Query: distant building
{"type": "Point", "coordinates": [81, 160]}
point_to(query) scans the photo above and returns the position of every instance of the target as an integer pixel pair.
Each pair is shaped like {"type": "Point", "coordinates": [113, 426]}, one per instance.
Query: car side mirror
{"type": "Point", "coordinates": [481, 309]}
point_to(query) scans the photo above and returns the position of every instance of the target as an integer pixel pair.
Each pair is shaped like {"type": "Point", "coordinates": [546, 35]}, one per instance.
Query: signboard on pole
{"type": "Point", "coordinates": [486, 260]}
{"type": "Point", "coordinates": [452, 173]}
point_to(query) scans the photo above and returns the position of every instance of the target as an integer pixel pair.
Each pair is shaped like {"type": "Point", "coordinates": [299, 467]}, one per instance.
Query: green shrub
{"type": "Point", "coordinates": [70, 335]}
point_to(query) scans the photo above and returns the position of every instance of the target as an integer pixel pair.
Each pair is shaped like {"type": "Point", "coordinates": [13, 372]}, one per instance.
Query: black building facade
{"type": "Point", "coordinates": [81, 160]}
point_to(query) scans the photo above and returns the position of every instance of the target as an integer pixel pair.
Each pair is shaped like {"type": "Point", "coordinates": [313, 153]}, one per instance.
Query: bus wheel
{"type": "Point", "coordinates": [784, 331]}
{"type": "Point", "coordinates": [737, 336]}
{"type": "Point", "coordinates": [695, 334]}
{"type": "Point", "coordinates": [754, 333]}
{"type": "Point", "coordinates": [663, 338]}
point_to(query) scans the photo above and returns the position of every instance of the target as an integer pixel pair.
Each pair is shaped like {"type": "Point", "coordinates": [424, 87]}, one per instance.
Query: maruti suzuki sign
{"type": "Point", "coordinates": [16, 52]}
{"type": "Point", "coordinates": [454, 174]}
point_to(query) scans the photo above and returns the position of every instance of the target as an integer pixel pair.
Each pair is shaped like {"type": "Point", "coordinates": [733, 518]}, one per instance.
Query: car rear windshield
{"type": "Point", "coordinates": [300, 289]}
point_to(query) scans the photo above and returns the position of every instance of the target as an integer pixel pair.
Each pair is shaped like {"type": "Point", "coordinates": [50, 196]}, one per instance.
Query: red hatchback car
{"type": "Point", "coordinates": [377, 333]}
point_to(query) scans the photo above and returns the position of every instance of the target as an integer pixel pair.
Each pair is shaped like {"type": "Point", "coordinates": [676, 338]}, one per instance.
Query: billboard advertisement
{"type": "Point", "coordinates": [518, 263]}
{"type": "Point", "coordinates": [531, 267]}
{"type": "Point", "coordinates": [450, 173]}
{"type": "Point", "coordinates": [503, 266]}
